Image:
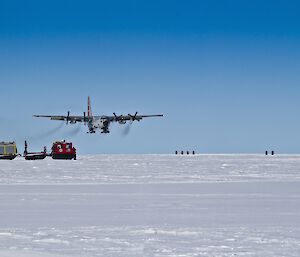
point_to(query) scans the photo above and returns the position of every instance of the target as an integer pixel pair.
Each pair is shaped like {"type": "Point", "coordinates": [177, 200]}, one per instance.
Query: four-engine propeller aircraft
{"type": "Point", "coordinates": [98, 122]}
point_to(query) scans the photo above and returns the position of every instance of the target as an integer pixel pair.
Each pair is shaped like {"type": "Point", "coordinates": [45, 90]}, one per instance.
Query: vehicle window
{"type": "Point", "coordinates": [10, 149]}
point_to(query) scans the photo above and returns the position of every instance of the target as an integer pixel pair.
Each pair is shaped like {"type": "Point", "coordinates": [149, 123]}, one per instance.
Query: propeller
{"type": "Point", "coordinates": [133, 117]}
{"type": "Point", "coordinates": [119, 118]}
{"type": "Point", "coordinates": [84, 118]}
{"type": "Point", "coordinates": [68, 117]}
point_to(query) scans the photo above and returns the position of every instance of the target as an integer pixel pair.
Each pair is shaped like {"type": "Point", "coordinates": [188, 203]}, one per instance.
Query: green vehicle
{"type": "Point", "coordinates": [8, 150]}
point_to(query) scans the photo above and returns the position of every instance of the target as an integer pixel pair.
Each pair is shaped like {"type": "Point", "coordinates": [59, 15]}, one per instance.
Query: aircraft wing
{"type": "Point", "coordinates": [121, 118]}
{"type": "Point", "coordinates": [130, 117]}
{"type": "Point", "coordinates": [66, 118]}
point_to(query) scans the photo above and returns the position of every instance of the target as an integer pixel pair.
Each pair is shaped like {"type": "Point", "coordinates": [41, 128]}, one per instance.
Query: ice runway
{"type": "Point", "coordinates": [151, 205]}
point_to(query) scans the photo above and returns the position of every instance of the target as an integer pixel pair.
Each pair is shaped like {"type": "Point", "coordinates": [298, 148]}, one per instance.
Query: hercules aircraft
{"type": "Point", "coordinates": [98, 122]}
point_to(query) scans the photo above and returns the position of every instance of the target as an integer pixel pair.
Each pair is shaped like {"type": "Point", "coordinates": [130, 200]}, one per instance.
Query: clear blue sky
{"type": "Point", "coordinates": [226, 74]}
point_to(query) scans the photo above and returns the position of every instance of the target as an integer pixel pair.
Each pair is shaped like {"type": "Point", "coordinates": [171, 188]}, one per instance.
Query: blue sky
{"type": "Point", "coordinates": [224, 73]}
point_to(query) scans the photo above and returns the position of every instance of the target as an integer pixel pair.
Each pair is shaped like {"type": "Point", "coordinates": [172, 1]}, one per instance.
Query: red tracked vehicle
{"type": "Point", "coordinates": [63, 150]}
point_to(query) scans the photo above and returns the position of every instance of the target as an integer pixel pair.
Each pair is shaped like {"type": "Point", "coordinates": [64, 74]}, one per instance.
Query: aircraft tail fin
{"type": "Point", "coordinates": [89, 111]}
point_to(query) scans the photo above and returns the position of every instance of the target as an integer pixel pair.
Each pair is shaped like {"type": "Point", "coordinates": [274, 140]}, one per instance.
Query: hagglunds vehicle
{"type": "Point", "coordinates": [8, 150]}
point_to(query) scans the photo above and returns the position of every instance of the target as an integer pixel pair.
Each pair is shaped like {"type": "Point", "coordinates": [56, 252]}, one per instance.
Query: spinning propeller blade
{"type": "Point", "coordinates": [118, 118]}
{"type": "Point", "coordinates": [68, 117]}
{"type": "Point", "coordinates": [133, 117]}
{"type": "Point", "coordinates": [84, 118]}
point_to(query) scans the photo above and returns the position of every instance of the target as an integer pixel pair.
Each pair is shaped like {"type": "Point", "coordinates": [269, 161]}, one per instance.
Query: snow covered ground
{"type": "Point", "coordinates": [151, 205]}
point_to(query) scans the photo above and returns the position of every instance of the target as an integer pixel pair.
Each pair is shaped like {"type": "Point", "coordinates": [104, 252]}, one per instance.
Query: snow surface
{"type": "Point", "coordinates": [151, 205]}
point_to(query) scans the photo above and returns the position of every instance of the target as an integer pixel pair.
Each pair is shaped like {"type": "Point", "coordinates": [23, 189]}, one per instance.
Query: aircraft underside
{"type": "Point", "coordinates": [101, 124]}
